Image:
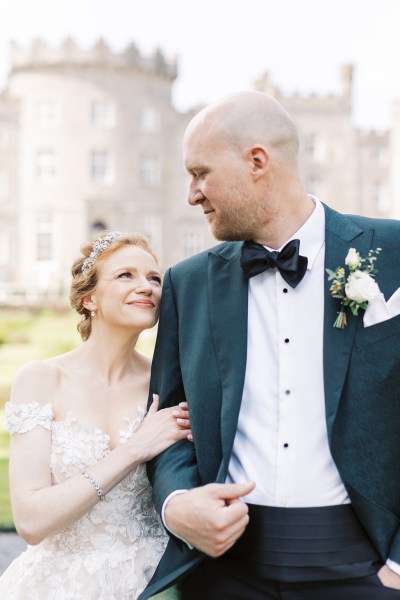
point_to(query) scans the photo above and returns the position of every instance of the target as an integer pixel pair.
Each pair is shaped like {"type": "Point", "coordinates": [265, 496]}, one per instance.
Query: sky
{"type": "Point", "coordinates": [223, 46]}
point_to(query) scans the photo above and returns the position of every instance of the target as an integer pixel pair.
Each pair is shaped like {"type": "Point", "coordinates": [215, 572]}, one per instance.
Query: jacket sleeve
{"type": "Point", "coordinates": [394, 552]}
{"type": "Point", "coordinates": [175, 468]}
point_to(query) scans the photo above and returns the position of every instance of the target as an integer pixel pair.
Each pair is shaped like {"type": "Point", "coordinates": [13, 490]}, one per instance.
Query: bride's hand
{"type": "Point", "coordinates": [160, 429]}
{"type": "Point", "coordinates": [181, 414]}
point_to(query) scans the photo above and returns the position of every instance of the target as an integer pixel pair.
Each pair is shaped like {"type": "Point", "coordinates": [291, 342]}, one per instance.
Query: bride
{"type": "Point", "coordinates": [80, 437]}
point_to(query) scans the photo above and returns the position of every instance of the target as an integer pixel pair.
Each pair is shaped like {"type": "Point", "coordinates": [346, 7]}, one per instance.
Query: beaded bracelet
{"type": "Point", "coordinates": [92, 480]}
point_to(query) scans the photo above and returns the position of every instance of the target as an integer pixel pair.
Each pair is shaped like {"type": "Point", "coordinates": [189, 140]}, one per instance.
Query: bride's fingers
{"type": "Point", "coordinates": [154, 405]}
{"type": "Point", "coordinates": [181, 412]}
{"type": "Point", "coordinates": [182, 417]}
{"type": "Point", "coordinates": [184, 423]}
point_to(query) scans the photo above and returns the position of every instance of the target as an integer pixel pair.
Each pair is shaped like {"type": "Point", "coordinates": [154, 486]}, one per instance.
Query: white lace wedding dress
{"type": "Point", "coordinates": [112, 551]}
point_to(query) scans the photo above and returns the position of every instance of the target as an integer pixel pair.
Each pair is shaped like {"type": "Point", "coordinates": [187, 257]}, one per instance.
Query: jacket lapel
{"type": "Point", "coordinates": [228, 300]}
{"type": "Point", "coordinates": [341, 233]}
{"type": "Point", "coordinates": [228, 308]}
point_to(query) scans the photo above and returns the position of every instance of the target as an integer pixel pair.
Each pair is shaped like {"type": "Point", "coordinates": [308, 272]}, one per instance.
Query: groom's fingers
{"type": "Point", "coordinates": [211, 517]}
{"type": "Point", "coordinates": [231, 534]}
{"type": "Point", "coordinates": [231, 491]}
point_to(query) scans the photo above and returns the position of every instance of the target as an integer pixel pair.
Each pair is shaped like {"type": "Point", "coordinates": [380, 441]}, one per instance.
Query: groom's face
{"type": "Point", "coordinates": [222, 184]}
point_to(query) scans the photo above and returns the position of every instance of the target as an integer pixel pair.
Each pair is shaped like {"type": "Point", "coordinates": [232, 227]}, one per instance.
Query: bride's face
{"type": "Point", "coordinates": [128, 292]}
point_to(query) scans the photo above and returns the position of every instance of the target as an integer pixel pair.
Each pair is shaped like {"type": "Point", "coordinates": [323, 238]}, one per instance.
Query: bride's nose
{"type": "Point", "coordinates": [143, 286]}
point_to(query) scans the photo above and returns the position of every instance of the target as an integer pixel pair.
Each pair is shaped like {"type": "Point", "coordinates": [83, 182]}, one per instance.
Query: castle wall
{"type": "Point", "coordinates": [89, 139]}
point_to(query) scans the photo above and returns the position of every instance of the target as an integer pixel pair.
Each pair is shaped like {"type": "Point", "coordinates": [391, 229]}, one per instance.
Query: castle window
{"type": "Point", "coordinates": [44, 237]}
{"type": "Point", "coordinates": [4, 246]}
{"type": "Point", "coordinates": [4, 184]}
{"type": "Point", "coordinates": [101, 169]}
{"type": "Point", "coordinates": [149, 171]}
{"type": "Point", "coordinates": [150, 226]}
{"type": "Point", "coordinates": [380, 198]}
{"type": "Point", "coordinates": [192, 241]}
{"type": "Point", "coordinates": [314, 147]}
{"type": "Point", "coordinates": [379, 155]}
{"type": "Point", "coordinates": [46, 113]}
{"type": "Point", "coordinates": [4, 137]}
{"type": "Point", "coordinates": [97, 227]}
{"type": "Point", "coordinates": [150, 119]}
{"type": "Point", "coordinates": [45, 165]}
{"type": "Point", "coordinates": [102, 114]}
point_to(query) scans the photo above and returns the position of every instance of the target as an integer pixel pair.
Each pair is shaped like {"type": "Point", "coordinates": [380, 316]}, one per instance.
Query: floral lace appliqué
{"type": "Point", "coordinates": [21, 418]}
{"type": "Point", "coordinates": [108, 554]}
{"type": "Point", "coordinates": [132, 425]}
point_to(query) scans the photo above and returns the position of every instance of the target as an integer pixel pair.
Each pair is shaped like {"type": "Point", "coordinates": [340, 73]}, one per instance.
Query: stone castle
{"type": "Point", "coordinates": [90, 140]}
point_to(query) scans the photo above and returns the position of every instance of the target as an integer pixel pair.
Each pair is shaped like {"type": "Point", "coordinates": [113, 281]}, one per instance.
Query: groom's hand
{"type": "Point", "coordinates": [211, 518]}
{"type": "Point", "coordinates": [389, 578]}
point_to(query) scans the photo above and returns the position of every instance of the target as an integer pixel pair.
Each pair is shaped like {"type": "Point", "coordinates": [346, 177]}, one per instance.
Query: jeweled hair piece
{"type": "Point", "coordinates": [98, 247]}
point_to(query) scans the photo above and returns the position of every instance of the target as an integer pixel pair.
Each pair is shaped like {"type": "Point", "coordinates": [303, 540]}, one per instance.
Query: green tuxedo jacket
{"type": "Point", "coordinates": [200, 356]}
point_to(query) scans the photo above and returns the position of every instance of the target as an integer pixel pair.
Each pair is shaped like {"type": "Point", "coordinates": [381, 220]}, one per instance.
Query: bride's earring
{"type": "Point", "coordinates": [92, 313]}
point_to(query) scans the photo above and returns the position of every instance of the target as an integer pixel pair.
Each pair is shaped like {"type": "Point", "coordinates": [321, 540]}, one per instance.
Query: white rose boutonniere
{"type": "Point", "coordinates": [361, 287]}
{"type": "Point", "coordinates": [353, 259]}
{"type": "Point", "coordinates": [358, 288]}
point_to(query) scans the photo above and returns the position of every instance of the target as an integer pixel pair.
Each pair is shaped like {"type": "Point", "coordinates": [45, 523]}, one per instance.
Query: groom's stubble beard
{"type": "Point", "coordinates": [239, 218]}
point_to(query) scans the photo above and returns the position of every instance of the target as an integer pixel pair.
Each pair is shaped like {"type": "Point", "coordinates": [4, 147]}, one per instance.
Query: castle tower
{"type": "Point", "coordinates": [98, 147]}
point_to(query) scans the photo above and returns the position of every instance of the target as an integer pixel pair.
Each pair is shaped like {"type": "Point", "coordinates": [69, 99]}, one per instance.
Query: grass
{"type": "Point", "coordinates": [6, 520]}
{"type": "Point", "coordinates": [26, 336]}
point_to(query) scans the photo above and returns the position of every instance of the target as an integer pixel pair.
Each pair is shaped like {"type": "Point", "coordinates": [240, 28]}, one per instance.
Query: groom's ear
{"type": "Point", "coordinates": [259, 161]}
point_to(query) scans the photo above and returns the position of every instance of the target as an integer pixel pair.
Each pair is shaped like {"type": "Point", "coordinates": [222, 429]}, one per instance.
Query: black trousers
{"type": "Point", "coordinates": [211, 581]}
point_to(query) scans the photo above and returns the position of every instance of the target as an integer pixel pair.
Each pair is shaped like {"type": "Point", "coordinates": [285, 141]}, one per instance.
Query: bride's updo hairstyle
{"type": "Point", "coordinates": [85, 269]}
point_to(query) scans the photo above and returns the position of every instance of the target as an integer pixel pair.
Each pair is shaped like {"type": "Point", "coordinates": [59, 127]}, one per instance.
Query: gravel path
{"type": "Point", "coordinates": [11, 545]}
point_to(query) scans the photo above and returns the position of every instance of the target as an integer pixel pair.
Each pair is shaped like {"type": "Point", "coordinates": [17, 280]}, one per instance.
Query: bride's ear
{"type": "Point", "coordinates": [89, 303]}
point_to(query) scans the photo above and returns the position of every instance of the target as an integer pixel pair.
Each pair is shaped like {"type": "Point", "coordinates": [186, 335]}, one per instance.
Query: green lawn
{"type": "Point", "coordinates": [26, 336]}
{"type": "Point", "coordinates": [6, 520]}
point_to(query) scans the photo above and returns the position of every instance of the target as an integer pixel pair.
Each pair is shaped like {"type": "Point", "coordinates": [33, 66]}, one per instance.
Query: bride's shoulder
{"type": "Point", "coordinates": [35, 381]}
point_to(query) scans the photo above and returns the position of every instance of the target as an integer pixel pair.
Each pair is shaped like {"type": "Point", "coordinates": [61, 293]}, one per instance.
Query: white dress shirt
{"type": "Point", "coordinates": [281, 441]}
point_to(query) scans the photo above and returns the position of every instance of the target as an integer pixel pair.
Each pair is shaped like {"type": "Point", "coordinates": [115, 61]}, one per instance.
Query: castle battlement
{"type": "Point", "coordinates": [69, 54]}
{"type": "Point", "coordinates": [312, 100]}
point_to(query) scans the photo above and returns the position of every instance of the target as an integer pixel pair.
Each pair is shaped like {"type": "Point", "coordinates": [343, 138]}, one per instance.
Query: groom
{"type": "Point", "coordinates": [292, 488]}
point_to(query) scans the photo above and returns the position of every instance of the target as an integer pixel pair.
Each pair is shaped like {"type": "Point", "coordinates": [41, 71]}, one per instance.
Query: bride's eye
{"type": "Point", "coordinates": [155, 278]}
{"type": "Point", "coordinates": [124, 274]}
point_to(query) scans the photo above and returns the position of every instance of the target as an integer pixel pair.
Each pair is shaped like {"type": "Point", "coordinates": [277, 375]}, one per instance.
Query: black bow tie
{"type": "Point", "coordinates": [255, 259]}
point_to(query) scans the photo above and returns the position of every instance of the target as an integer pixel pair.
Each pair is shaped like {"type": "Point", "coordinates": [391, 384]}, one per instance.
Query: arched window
{"type": "Point", "coordinates": [97, 226]}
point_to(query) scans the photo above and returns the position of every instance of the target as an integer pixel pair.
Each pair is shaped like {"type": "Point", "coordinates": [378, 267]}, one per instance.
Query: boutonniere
{"type": "Point", "coordinates": [354, 286]}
